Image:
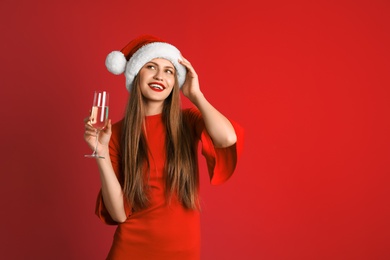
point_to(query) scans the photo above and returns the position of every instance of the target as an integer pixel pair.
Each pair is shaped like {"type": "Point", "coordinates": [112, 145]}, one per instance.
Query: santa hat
{"type": "Point", "coordinates": [140, 51]}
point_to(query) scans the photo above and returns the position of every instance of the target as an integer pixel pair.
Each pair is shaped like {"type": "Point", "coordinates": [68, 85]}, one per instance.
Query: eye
{"type": "Point", "coordinates": [150, 66]}
{"type": "Point", "coordinates": [169, 71]}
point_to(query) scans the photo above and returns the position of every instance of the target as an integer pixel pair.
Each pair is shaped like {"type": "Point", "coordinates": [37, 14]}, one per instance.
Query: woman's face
{"type": "Point", "coordinates": [157, 78]}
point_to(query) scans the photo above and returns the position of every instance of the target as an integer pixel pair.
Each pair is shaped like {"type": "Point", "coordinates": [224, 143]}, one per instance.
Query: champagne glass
{"type": "Point", "coordinates": [99, 117]}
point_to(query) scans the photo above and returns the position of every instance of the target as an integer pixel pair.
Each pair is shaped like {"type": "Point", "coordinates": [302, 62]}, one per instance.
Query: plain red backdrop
{"type": "Point", "coordinates": [308, 80]}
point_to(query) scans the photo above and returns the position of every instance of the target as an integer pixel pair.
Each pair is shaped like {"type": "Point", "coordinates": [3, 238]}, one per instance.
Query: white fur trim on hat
{"type": "Point", "coordinates": [149, 52]}
{"type": "Point", "coordinates": [116, 62]}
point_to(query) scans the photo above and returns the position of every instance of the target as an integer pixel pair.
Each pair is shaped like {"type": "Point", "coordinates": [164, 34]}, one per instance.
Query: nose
{"type": "Point", "coordinates": [158, 75]}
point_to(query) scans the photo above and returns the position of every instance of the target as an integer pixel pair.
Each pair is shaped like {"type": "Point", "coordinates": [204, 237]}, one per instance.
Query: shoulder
{"type": "Point", "coordinates": [116, 129]}
{"type": "Point", "coordinates": [118, 124]}
{"type": "Point", "coordinates": [191, 114]}
{"type": "Point", "coordinates": [192, 118]}
{"type": "Point", "coordinates": [115, 140]}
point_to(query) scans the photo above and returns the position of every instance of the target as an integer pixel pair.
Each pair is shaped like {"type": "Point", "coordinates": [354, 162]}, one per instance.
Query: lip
{"type": "Point", "coordinates": [155, 89]}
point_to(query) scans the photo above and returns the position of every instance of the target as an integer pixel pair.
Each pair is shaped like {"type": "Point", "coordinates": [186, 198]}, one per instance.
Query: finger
{"type": "Point", "coordinates": [90, 131]}
{"type": "Point", "coordinates": [184, 61]}
{"type": "Point", "coordinates": [87, 120]}
{"type": "Point", "coordinates": [88, 125]}
{"type": "Point", "coordinates": [188, 65]}
{"type": "Point", "coordinates": [107, 129]}
{"type": "Point", "coordinates": [183, 58]}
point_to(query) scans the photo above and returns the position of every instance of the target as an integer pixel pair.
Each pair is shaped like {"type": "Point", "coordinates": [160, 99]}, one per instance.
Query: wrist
{"type": "Point", "coordinates": [104, 150]}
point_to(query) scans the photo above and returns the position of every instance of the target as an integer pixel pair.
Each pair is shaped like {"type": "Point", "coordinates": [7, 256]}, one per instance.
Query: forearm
{"type": "Point", "coordinates": [217, 125]}
{"type": "Point", "coordinates": [111, 189]}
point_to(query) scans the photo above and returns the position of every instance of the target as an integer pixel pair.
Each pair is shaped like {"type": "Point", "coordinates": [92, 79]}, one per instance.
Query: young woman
{"type": "Point", "coordinates": [149, 179]}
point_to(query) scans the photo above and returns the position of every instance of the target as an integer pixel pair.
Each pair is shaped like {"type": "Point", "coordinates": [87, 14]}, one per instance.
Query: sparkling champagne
{"type": "Point", "coordinates": [99, 116]}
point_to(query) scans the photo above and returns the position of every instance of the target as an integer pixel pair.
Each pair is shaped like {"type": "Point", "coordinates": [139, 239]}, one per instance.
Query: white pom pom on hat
{"type": "Point", "coordinates": [116, 62]}
{"type": "Point", "coordinates": [140, 51]}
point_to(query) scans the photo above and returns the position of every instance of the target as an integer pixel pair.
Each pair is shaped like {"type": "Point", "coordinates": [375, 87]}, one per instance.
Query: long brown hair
{"type": "Point", "coordinates": [181, 178]}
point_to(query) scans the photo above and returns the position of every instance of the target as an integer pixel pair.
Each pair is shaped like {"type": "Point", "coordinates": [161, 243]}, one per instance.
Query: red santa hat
{"type": "Point", "coordinates": [140, 51]}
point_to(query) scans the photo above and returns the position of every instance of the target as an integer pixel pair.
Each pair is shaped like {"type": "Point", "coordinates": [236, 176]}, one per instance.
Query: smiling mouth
{"type": "Point", "coordinates": [157, 87]}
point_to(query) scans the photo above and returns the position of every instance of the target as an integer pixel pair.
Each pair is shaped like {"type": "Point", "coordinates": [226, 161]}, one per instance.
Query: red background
{"type": "Point", "coordinates": [308, 80]}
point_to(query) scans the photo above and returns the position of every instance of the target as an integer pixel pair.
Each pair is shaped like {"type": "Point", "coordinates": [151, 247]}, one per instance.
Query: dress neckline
{"type": "Point", "coordinates": [153, 117]}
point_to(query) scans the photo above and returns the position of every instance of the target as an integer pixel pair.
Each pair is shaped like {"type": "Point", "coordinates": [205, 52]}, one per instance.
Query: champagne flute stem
{"type": "Point", "coordinates": [97, 141]}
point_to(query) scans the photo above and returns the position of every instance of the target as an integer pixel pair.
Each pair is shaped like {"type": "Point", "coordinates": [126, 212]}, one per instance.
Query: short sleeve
{"type": "Point", "coordinates": [221, 162]}
{"type": "Point", "coordinates": [100, 210]}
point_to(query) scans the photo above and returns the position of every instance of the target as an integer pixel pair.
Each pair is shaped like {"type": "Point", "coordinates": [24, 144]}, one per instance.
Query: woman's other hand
{"type": "Point", "coordinates": [190, 88]}
{"type": "Point", "coordinates": [90, 135]}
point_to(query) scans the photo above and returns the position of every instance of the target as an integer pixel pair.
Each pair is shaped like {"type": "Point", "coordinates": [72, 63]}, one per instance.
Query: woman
{"type": "Point", "coordinates": [150, 175]}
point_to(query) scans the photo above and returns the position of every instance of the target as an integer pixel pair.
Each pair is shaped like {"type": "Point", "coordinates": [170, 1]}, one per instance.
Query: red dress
{"type": "Point", "coordinates": [165, 231]}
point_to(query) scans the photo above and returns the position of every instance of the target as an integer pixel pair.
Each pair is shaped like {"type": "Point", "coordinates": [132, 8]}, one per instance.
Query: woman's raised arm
{"type": "Point", "coordinates": [218, 126]}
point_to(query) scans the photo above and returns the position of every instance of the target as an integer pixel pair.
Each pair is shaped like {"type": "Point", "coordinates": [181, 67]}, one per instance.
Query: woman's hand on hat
{"type": "Point", "coordinates": [190, 88]}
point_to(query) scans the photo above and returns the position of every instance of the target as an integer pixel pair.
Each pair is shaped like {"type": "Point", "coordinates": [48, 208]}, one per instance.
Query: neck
{"type": "Point", "coordinates": [153, 108]}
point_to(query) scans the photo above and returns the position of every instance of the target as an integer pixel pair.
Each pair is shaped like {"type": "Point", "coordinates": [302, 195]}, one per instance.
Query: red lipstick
{"type": "Point", "coordinates": [156, 86]}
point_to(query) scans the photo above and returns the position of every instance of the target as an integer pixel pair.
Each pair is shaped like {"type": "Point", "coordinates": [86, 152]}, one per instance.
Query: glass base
{"type": "Point", "coordinates": [94, 155]}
